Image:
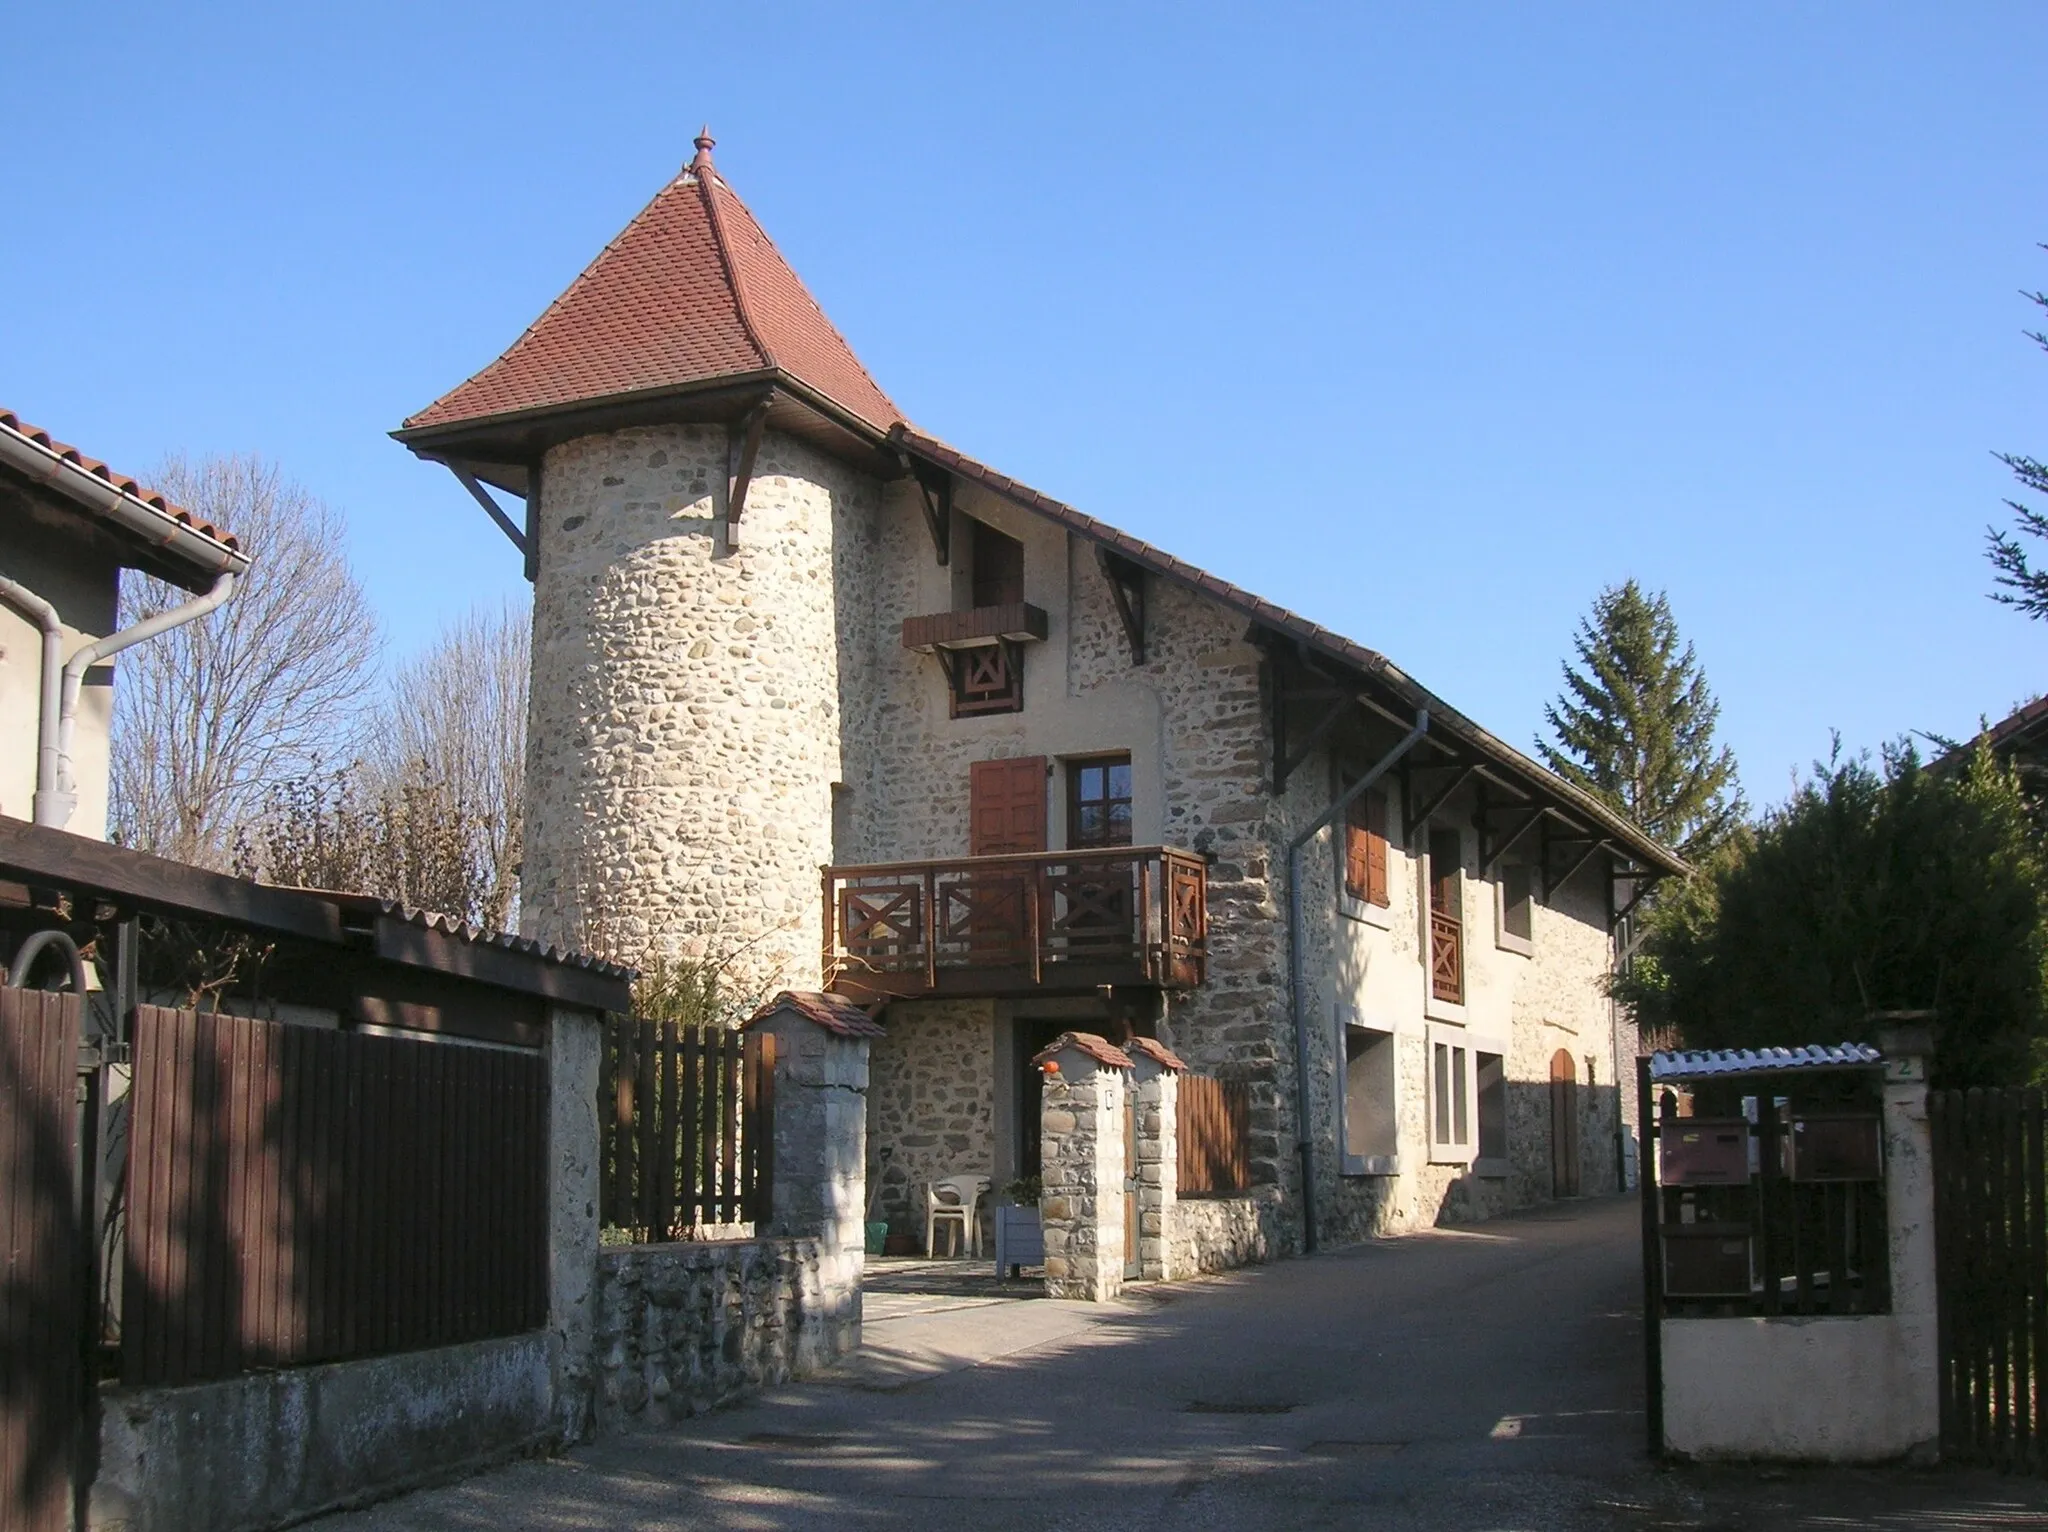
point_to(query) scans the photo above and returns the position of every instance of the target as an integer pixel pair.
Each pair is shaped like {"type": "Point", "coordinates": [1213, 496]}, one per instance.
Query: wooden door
{"type": "Point", "coordinates": [989, 910]}
{"type": "Point", "coordinates": [1564, 1125]}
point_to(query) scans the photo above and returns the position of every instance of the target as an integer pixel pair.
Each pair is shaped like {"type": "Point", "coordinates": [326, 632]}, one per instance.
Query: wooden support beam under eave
{"type": "Point", "coordinates": [751, 426]}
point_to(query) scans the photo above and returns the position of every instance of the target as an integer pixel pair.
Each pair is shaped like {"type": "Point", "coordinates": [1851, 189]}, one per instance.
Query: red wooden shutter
{"type": "Point", "coordinates": [1376, 849]}
{"type": "Point", "coordinates": [1006, 806]}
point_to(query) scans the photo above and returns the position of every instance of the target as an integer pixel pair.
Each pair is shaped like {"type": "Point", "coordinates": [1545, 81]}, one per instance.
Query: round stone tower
{"type": "Point", "coordinates": [701, 456]}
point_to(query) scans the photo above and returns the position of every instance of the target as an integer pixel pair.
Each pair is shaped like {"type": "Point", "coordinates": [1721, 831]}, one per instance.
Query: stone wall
{"type": "Point", "coordinates": [1210, 1234]}
{"type": "Point", "coordinates": [1081, 1207]}
{"type": "Point", "coordinates": [683, 1328]}
{"type": "Point", "coordinates": [686, 697]}
{"type": "Point", "coordinates": [931, 1102]}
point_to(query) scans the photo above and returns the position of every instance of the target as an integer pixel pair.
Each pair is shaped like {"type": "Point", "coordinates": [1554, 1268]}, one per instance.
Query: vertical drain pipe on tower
{"type": "Point", "coordinates": [1297, 972]}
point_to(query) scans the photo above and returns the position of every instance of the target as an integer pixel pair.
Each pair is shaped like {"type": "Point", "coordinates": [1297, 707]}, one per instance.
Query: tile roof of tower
{"type": "Point", "coordinates": [692, 290]}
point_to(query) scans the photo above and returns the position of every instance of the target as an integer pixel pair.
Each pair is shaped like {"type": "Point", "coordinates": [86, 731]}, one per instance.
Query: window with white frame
{"type": "Point", "coordinates": [1490, 1092]}
{"type": "Point", "coordinates": [1371, 1124]}
{"type": "Point", "coordinates": [1450, 1096]}
{"type": "Point", "coordinates": [1514, 926]}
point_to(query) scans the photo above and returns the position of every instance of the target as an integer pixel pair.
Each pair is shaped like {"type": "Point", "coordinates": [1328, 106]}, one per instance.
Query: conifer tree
{"type": "Point", "coordinates": [2025, 586]}
{"type": "Point", "coordinates": [1634, 725]}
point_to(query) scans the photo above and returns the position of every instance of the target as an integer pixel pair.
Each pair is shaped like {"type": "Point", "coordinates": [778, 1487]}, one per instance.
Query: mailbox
{"type": "Point", "coordinates": [1836, 1146]}
{"type": "Point", "coordinates": [1702, 1151]}
{"type": "Point", "coordinates": [1707, 1260]}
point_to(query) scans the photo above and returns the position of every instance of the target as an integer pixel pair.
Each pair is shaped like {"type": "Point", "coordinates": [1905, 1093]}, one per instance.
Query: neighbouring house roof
{"type": "Point", "coordinates": [692, 291]}
{"type": "Point", "coordinates": [1095, 1046]}
{"type": "Point", "coordinates": [1720, 1063]}
{"type": "Point", "coordinates": [2020, 736]}
{"type": "Point", "coordinates": [146, 528]}
{"type": "Point", "coordinates": [835, 1013]}
{"type": "Point", "coordinates": [39, 857]}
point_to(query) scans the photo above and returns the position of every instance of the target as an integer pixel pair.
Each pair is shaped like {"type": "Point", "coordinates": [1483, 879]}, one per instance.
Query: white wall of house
{"type": "Point", "coordinates": [84, 588]}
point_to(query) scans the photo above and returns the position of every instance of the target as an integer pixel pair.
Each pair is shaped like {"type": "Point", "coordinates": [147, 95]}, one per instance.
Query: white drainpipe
{"type": "Point", "coordinates": [44, 615]}
{"type": "Point", "coordinates": [66, 798]}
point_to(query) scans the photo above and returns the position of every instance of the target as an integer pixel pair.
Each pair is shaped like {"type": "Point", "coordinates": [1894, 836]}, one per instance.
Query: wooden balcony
{"type": "Point", "coordinates": [1446, 957]}
{"type": "Point", "coordinates": [1059, 922]}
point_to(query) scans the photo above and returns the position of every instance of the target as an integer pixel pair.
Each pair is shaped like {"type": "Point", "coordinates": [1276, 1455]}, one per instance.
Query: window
{"type": "Point", "coordinates": [1516, 927]}
{"type": "Point", "coordinates": [1446, 923]}
{"type": "Point", "coordinates": [998, 562]}
{"type": "Point", "coordinates": [1365, 849]}
{"type": "Point", "coordinates": [1450, 1127]}
{"type": "Point", "coordinates": [1371, 1139]}
{"type": "Point", "coordinates": [1490, 1079]}
{"type": "Point", "coordinates": [1099, 802]}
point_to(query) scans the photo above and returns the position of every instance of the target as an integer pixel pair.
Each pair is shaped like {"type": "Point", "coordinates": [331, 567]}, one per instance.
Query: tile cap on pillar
{"type": "Point", "coordinates": [834, 1013]}
{"type": "Point", "coordinates": [1089, 1045]}
{"type": "Point", "coordinates": [1153, 1049]}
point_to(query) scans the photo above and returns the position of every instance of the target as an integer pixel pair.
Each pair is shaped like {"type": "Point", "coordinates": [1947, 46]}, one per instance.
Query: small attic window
{"type": "Point", "coordinates": [998, 565]}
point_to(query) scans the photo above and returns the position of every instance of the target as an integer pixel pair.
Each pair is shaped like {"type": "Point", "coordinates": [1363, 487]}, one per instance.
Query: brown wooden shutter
{"type": "Point", "coordinates": [1376, 849]}
{"type": "Point", "coordinates": [1006, 806]}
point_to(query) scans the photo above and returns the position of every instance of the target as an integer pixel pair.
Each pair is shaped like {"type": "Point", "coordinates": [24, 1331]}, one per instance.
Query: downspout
{"type": "Point", "coordinates": [29, 604]}
{"type": "Point", "coordinates": [66, 798]}
{"type": "Point", "coordinates": [1297, 968]}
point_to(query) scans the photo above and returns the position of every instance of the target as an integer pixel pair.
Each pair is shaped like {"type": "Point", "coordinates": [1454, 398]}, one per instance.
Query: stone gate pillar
{"type": "Point", "coordinates": [1081, 1143]}
{"type": "Point", "coordinates": [1909, 1208]}
{"type": "Point", "coordinates": [820, 1170]}
{"type": "Point", "coordinates": [1155, 1077]}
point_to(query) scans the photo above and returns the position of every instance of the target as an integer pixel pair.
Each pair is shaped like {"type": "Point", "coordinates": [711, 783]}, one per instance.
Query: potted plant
{"type": "Point", "coordinates": [1020, 1236]}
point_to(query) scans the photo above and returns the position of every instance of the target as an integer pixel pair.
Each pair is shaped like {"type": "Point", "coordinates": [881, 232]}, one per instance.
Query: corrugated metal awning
{"type": "Point", "coordinates": [1719, 1063]}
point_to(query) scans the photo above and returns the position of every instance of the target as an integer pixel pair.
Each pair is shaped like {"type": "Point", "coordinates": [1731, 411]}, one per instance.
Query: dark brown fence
{"type": "Point", "coordinates": [1212, 1120]}
{"type": "Point", "coordinates": [687, 1120]}
{"type": "Point", "coordinates": [298, 1195]}
{"type": "Point", "coordinates": [42, 1281]}
{"type": "Point", "coordinates": [1991, 1252]}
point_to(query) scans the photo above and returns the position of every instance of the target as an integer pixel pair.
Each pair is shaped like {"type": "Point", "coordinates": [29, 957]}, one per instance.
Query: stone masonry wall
{"type": "Point", "coordinates": [685, 717]}
{"type": "Point", "coordinates": [683, 1328]}
{"type": "Point", "coordinates": [1082, 1204]}
{"type": "Point", "coordinates": [931, 1101]}
{"type": "Point", "coordinates": [1210, 1234]}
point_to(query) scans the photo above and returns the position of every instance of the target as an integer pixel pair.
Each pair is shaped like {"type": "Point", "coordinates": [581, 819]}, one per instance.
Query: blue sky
{"type": "Point", "coordinates": [1425, 325]}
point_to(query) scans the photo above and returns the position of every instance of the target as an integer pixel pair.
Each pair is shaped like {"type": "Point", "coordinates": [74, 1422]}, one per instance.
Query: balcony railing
{"type": "Point", "coordinates": [1446, 957]}
{"type": "Point", "coordinates": [1051, 922]}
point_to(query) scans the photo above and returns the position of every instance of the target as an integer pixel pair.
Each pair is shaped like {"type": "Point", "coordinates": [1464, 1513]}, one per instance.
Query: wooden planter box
{"type": "Point", "coordinates": [1020, 1239]}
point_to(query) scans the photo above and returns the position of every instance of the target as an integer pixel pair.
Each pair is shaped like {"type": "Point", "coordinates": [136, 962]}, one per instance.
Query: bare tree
{"type": "Point", "coordinates": [458, 719]}
{"type": "Point", "coordinates": [211, 717]}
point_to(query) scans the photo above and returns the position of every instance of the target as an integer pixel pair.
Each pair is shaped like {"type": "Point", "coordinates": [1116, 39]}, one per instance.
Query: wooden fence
{"type": "Point", "coordinates": [1991, 1251]}
{"type": "Point", "coordinates": [1212, 1120]}
{"type": "Point", "coordinates": [42, 1286]}
{"type": "Point", "coordinates": [296, 1194]}
{"type": "Point", "coordinates": [686, 1116]}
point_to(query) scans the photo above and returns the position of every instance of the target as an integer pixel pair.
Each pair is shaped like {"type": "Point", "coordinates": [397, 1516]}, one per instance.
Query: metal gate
{"type": "Point", "coordinates": [46, 1275]}
{"type": "Point", "coordinates": [1991, 1277]}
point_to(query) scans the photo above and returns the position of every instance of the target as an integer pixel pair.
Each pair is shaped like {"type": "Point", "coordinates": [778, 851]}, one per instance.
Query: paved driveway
{"type": "Point", "coordinates": [1479, 1379]}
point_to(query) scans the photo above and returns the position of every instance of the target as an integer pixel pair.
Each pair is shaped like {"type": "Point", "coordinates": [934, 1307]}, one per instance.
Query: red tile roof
{"type": "Point", "coordinates": [1097, 1047]}
{"type": "Point", "coordinates": [156, 500]}
{"type": "Point", "coordinates": [835, 1013]}
{"type": "Point", "coordinates": [1157, 1052]}
{"type": "Point", "coordinates": [692, 290]}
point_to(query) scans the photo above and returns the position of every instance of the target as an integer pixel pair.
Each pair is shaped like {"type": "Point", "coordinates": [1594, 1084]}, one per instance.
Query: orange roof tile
{"type": "Point", "coordinates": [156, 500]}
{"type": "Point", "coordinates": [692, 290]}
{"type": "Point", "coordinates": [835, 1013]}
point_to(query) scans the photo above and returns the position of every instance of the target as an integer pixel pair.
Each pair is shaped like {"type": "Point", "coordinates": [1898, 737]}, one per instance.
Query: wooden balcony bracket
{"type": "Point", "coordinates": [496, 512]}
{"type": "Point", "coordinates": [748, 431]}
{"type": "Point", "coordinates": [1127, 589]}
{"type": "Point", "coordinates": [1501, 828]}
{"type": "Point", "coordinates": [1594, 846]}
{"type": "Point", "coordinates": [1415, 815]}
{"type": "Point", "coordinates": [1641, 881]}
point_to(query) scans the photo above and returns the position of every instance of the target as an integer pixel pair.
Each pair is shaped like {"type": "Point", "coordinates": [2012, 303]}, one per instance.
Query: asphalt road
{"type": "Point", "coordinates": [1483, 1380]}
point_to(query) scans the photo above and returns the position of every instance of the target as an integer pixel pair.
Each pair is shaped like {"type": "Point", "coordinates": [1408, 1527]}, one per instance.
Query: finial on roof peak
{"type": "Point", "coordinates": [704, 143]}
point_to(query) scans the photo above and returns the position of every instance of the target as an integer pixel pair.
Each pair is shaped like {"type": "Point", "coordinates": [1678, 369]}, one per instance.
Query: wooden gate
{"type": "Point", "coordinates": [1991, 1258]}
{"type": "Point", "coordinates": [44, 1280]}
{"type": "Point", "coordinates": [1564, 1125]}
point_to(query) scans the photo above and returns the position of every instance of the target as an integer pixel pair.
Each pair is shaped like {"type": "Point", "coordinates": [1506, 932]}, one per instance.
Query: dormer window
{"type": "Point", "coordinates": [998, 566]}
{"type": "Point", "coordinates": [980, 646]}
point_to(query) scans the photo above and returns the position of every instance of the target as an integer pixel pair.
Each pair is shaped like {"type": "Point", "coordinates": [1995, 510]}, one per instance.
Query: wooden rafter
{"type": "Point", "coordinates": [1414, 816]}
{"type": "Point", "coordinates": [750, 428]}
{"type": "Point", "coordinates": [1127, 589]}
{"type": "Point", "coordinates": [496, 512]}
{"type": "Point", "coordinates": [935, 496]}
{"type": "Point", "coordinates": [1593, 848]}
{"type": "Point", "coordinates": [1491, 851]}
{"type": "Point", "coordinates": [1288, 751]}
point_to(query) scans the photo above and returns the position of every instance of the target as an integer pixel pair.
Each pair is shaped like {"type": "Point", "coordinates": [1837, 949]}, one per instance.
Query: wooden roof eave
{"type": "Point", "coordinates": [1373, 670]}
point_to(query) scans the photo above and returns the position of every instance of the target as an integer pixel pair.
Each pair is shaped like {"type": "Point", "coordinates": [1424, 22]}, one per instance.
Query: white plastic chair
{"type": "Point", "coordinates": [954, 1199]}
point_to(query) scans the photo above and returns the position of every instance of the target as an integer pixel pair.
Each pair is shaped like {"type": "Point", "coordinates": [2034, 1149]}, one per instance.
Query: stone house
{"type": "Point", "coordinates": [68, 526]}
{"type": "Point", "coordinates": [812, 688]}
